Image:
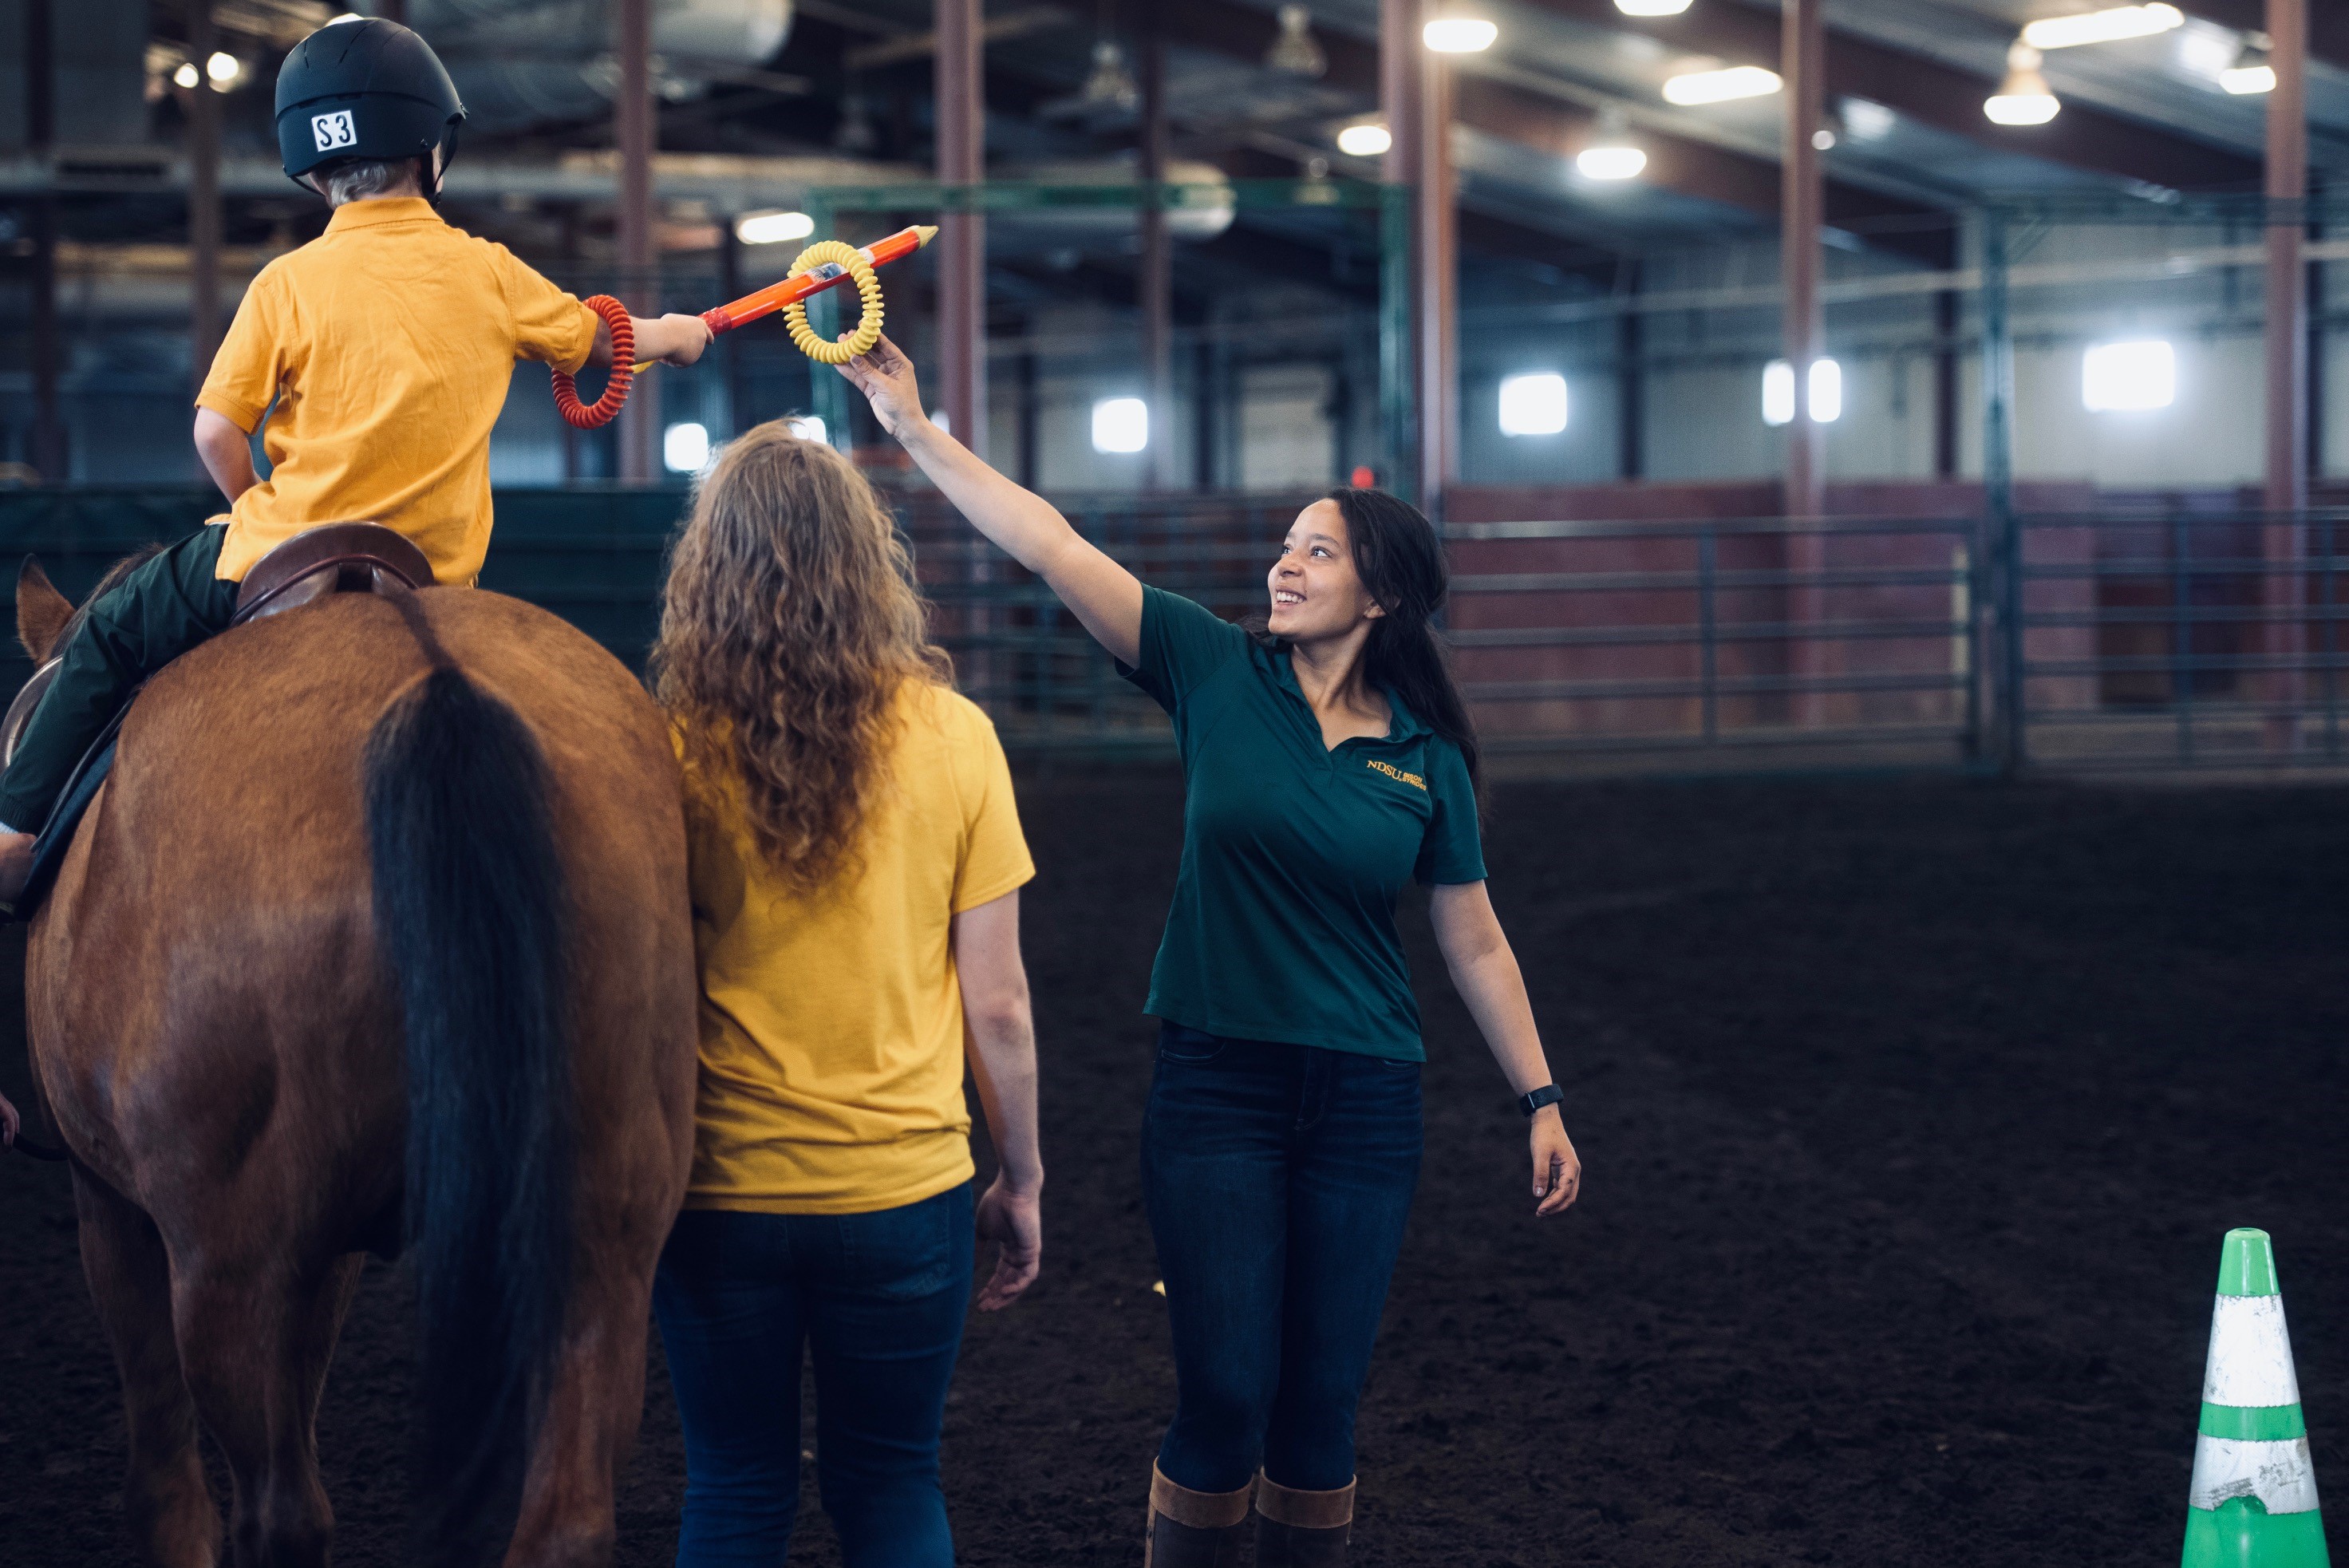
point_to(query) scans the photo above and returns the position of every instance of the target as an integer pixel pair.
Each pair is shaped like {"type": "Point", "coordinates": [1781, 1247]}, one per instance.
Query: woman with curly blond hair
{"type": "Point", "coordinates": [856, 862]}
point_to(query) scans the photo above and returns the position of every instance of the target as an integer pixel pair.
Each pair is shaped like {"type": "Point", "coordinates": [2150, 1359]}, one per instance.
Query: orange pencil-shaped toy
{"type": "Point", "coordinates": [815, 281]}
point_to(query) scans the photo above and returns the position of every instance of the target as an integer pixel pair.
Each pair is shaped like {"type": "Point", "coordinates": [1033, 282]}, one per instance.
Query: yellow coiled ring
{"type": "Point", "coordinates": [868, 287]}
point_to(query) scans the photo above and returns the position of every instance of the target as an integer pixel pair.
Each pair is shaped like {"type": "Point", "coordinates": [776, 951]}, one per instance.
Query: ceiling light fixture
{"type": "Point", "coordinates": [1367, 140]}
{"type": "Point", "coordinates": [2103, 27]}
{"type": "Point", "coordinates": [1111, 85]}
{"type": "Point", "coordinates": [1651, 7]}
{"type": "Point", "coordinates": [1866, 119]}
{"type": "Point", "coordinates": [773, 228]}
{"type": "Point", "coordinates": [1297, 52]}
{"type": "Point", "coordinates": [1619, 162]}
{"type": "Point", "coordinates": [186, 75]}
{"type": "Point", "coordinates": [1611, 155]}
{"type": "Point", "coordinates": [2024, 98]}
{"type": "Point", "coordinates": [1459, 35]}
{"type": "Point", "coordinates": [1691, 87]}
{"type": "Point", "coordinates": [223, 68]}
{"type": "Point", "coordinates": [2252, 71]}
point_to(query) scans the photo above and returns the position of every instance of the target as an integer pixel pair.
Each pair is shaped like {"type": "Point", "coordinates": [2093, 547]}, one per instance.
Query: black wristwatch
{"type": "Point", "coordinates": [1547, 1094]}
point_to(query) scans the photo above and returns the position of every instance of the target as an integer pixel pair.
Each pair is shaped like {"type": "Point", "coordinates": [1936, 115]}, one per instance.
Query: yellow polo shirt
{"type": "Point", "coordinates": [387, 344]}
{"type": "Point", "coordinates": [831, 1023]}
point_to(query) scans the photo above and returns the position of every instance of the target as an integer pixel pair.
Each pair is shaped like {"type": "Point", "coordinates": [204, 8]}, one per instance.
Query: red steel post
{"type": "Point", "coordinates": [632, 130]}
{"type": "Point", "coordinates": [1157, 291]}
{"type": "Point", "coordinates": [962, 263]}
{"type": "Point", "coordinates": [203, 197]}
{"type": "Point", "coordinates": [1802, 44]}
{"type": "Point", "coordinates": [2284, 537]}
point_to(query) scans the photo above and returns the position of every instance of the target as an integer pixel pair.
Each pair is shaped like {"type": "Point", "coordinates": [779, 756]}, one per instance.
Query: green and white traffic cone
{"type": "Point", "coordinates": [2254, 1490]}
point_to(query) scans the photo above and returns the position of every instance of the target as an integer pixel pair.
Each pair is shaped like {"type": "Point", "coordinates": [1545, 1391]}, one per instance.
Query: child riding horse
{"type": "Point", "coordinates": [379, 354]}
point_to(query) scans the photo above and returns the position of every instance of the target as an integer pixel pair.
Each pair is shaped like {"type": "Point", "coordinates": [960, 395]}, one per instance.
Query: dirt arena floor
{"type": "Point", "coordinates": [1913, 1115]}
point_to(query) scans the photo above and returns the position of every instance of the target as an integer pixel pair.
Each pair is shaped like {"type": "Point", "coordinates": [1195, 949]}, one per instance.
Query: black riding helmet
{"type": "Point", "coordinates": [365, 89]}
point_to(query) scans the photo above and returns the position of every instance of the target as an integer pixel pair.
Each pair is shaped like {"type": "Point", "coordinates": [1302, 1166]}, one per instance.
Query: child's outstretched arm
{"type": "Point", "coordinates": [227, 452]}
{"type": "Point", "coordinates": [673, 340]}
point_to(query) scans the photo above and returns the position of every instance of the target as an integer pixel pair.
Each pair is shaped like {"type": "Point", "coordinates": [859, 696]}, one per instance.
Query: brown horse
{"type": "Point", "coordinates": [377, 940]}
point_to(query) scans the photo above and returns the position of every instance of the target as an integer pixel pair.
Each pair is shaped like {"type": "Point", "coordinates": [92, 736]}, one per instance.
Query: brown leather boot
{"type": "Point", "coordinates": [1302, 1529]}
{"type": "Point", "coordinates": [1194, 1529]}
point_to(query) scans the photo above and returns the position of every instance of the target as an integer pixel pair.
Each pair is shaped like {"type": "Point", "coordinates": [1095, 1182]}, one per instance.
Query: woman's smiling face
{"type": "Point", "coordinates": [1315, 589]}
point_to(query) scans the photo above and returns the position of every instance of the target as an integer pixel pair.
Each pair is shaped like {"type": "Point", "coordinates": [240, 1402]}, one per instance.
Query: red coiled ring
{"type": "Point", "coordinates": [588, 417]}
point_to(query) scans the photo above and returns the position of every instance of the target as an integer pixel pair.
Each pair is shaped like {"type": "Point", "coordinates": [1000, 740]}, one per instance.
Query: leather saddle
{"type": "Point", "coordinates": [333, 558]}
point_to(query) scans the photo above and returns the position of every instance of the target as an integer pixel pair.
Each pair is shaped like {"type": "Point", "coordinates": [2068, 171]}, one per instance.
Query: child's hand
{"type": "Point", "coordinates": [9, 1122]}
{"type": "Point", "coordinates": [682, 338]}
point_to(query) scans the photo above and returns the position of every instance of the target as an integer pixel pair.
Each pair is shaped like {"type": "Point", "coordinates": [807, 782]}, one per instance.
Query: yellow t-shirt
{"type": "Point", "coordinates": [388, 343]}
{"type": "Point", "coordinates": [832, 1023]}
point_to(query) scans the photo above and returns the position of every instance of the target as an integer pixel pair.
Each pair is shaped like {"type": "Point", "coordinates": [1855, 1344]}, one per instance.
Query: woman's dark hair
{"type": "Point", "coordinates": [1401, 561]}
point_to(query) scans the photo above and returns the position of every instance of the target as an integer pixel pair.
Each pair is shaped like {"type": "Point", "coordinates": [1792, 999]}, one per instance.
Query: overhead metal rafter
{"type": "Point", "coordinates": [2328, 25]}
{"type": "Point", "coordinates": [1530, 119]}
{"type": "Point", "coordinates": [1699, 168]}
{"type": "Point", "coordinates": [1939, 95]}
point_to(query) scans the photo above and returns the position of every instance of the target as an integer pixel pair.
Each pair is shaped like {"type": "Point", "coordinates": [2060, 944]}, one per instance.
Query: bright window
{"type": "Point", "coordinates": [685, 448]}
{"type": "Point", "coordinates": [1121, 424]}
{"type": "Point", "coordinates": [1778, 392]}
{"type": "Point", "coordinates": [1826, 391]}
{"type": "Point", "coordinates": [1534, 404]}
{"type": "Point", "coordinates": [2126, 378]}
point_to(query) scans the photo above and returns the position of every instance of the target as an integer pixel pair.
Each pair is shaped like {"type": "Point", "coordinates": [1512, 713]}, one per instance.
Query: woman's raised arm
{"type": "Point", "coordinates": [1101, 593]}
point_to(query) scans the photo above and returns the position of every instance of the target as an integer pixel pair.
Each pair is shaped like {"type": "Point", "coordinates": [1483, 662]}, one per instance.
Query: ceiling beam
{"type": "Point", "coordinates": [1937, 95]}
{"type": "Point", "coordinates": [1676, 164]}
{"type": "Point", "coordinates": [1699, 168]}
{"type": "Point", "coordinates": [2328, 25]}
{"type": "Point", "coordinates": [1492, 234]}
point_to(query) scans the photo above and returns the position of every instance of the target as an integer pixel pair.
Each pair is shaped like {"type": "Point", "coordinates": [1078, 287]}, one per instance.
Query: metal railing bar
{"type": "Point", "coordinates": [1733, 738]}
{"type": "Point", "coordinates": [1682, 581]}
{"type": "Point", "coordinates": [2193, 614]}
{"type": "Point", "coordinates": [1756, 685]}
{"type": "Point", "coordinates": [1674, 527]}
{"type": "Point", "coordinates": [2204, 663]}
{"type": "Point", "coordinates": [1737, 631]}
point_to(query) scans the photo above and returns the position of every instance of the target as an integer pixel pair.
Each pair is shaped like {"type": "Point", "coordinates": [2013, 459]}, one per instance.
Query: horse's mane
{"type": "Point", "coordinates": [123, 569]}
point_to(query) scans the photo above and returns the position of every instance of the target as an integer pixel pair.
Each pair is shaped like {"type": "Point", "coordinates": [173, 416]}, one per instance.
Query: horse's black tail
{"type": "Point", "coordinates": [469, 911]}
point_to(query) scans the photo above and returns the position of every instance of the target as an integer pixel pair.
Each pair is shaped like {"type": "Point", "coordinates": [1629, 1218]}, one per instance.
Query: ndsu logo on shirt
{"type": "Point", "coordinates": [1380, 764]}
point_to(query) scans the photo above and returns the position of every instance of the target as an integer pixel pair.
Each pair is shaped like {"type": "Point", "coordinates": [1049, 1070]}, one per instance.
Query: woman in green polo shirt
{"type": "Point", "coordinates": [1329, 760]}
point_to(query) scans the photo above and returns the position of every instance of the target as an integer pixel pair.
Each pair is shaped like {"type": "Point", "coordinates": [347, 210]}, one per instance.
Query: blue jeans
{"type": "Point", "coordinates": [1278, 1180]}
{"type": "Point", "coordinates": [879, 1300]}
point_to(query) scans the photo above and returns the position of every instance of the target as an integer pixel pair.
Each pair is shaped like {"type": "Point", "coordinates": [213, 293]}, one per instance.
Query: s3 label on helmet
{"type": "Point", "coordinates": [334, 131]}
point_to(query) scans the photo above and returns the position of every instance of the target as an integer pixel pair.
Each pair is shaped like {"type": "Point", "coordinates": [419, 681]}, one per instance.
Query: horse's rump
{"type": "Point", "coordinates": [214, 1015]}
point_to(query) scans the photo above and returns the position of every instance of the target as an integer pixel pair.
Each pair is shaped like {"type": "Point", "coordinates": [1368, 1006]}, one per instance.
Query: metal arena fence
{"type": "Point", "coordinates": [2159, 634]}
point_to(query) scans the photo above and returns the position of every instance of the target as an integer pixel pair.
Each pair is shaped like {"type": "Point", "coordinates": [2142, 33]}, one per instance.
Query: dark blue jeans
{"type": "Point", "coordinates": [878, 1299]}
{"type": "Point", "coordinates": [1278, 1178]}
